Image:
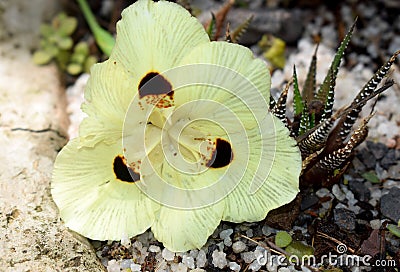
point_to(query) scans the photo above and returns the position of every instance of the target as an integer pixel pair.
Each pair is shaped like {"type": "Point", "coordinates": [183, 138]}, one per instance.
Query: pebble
{"type": "Point", "coordinates": [234, 266]}
{"type": "Point", "coordinates": [219, 259]}
{"type": "Point", "coordinates": [283, 269]}
{"type": "Point", "coordinates": [193, 253]}
{"type": "Point", "coordinates": [322, 192]}
{"type": "Point", "coordinates": [350, 197]}
{"type": "Point", "coordinates": [394, 170]}
{"type": "Point", "coordinates": [238, 246]}
{"type": "Point", "coordinates": [308, 201]}
{"type": "Point", "coordinates": [375, 224]}
{"type": "Point", "coordinates": [188, 261]}
{"type": "Point", "coordinates": [225, 233]}
{"type": "Point", "coordinates": [248, 257]}
{"type": "Point", "coordinates": [344, 219]}
{"type": "Point", "coordinates": [389, 159]}
{"type": "Point", "coordinates": [255, 265]}
{"type": "Point", "coordinates": [338, 193]}
{"type": "Point", "coordinates": [126, 263]}
{"type": "Point", "coordinates": [360, 191]}
{"type": "Point", "coordinates": [377, 149]}
{"type": "Point", "coordinates": [267, 230]}
{"type": "Point", "coordinates": [125, 241]}
{"type": "Point", "coordinates": [390, 204]}
{"type": "Point", "coordinates": [113, 266]}
{"type": "Point", "coordinates": [155, 249]}
{"type": "Point", "coordinates": [178, 267]}
{"type": "Point", "coordinates": [136, 267]}
{"type": "Point", "coordinates": [249, 233]}
{"type": "Point", "coordinates": [168, 255]}
{"type": "Point", "coordinates": [201, 258]}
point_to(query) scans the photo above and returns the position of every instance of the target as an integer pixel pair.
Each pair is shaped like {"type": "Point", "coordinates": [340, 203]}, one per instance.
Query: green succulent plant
{"type": "Point", "coordinates": [56, 39]}
{"type": "Point", "coordinates": [80, 60]}
{"type": "Point", "coordinates": [56, 44]}
{"type": "Point", "coordinates": [328, 140]}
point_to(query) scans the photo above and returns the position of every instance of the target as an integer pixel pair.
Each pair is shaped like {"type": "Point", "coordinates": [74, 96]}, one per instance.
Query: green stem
{"type": "Point", "coordinates": [103, 38]}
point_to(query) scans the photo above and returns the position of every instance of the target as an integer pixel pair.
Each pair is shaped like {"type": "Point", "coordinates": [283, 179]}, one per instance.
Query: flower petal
{"type": "Point", "coordinates": [154, 37]}
{"type": "Point", "coordinates": [108, 95]}
{"type": "Point", "coordinates": [92, 200]}
{"type": "Point", "coordinates": [226, 74]}
{"type": "Point", "coordinates": [182, 230]}
{"type": "Point", "coordinates": [272, 175]}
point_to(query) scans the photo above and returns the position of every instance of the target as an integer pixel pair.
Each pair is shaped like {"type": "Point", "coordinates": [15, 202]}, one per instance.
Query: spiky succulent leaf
{"type": "Point", "coordinates": [316, 138]}
{"type": "Point", "coordinates": [328, 107]}
{"type": "Point", "coordinates": [279, 109]}
{"type": "Point", "coordinates": [310, 83]}
{"type": "Point", "coordinates": [304, 121]}
{"type": "Point", "coordinates": [241, 29]}
{"type": "Point", "coordinates": [210, 29]}
{"type": "Point", "coordinates": [297, 99]}
{"type": "Point", "coordinates": [334, 68]}
{"type": "Point", "coordinates": [371, 85]}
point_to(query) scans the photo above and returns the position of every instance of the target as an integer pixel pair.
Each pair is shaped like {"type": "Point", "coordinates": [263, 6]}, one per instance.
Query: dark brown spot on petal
{"type": "Point", "coordinates": [123, 172]}
{"type": "Point", "coordinates": [154, 84]}
{"type": "Point", "coordinates": [156, 90]}
{"type": "Point", "coordinates": [222, 154]}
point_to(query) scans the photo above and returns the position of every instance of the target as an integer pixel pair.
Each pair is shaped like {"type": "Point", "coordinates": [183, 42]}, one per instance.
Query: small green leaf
{"type": "Point", "coordinates": [74, 69]}
{"type": "Point", "coordinates": [65, 43]}
{"type": "Point", "coordinates": [51, 49]}
{"type": "Point", "coordinates": [371, 177]}
{"type": "Point", "coordinates": [82, 48]}
{"type": "Point", "coordinates": [78, 58]}
{"type": "Point", "coordinates": [68, 26]}
{"type": "Point", "coordinates": [395, 230]}
{"type": "Point", "coordinates": [46, 30]}
{"type": "Point", "coordinates": [299, 249]}
{"type": "Point", "coordinates": [63, 58]}
{"type": "Point", "coordinates": [41, 57]}
{"type": "Point", "coordinates": [282, 239]}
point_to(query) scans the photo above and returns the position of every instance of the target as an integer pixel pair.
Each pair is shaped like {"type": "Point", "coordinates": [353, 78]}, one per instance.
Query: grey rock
{"type": "Point", "coordinates": [389, 159]}
{"type": "Point", "coordinates": [345, 219]}
{"type": "Point", "coordinates": [33, 129]}
{"type": "Point", "coordinates": [367, 158]}
{"type": "Point", "coordinates": [308, 201]}
{"type": "Point", "coordinates": [360, 191]}
{"type": "Point", "coordinates": [390, 204]}
{"type": "Point", "coordinates": [377, 149]}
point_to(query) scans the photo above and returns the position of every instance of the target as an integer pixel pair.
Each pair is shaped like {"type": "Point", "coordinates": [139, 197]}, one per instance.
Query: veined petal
{"type": "Point", "coordinates": [108, 94]}
{"type": "Point", "coordinates": [154, 37]}
{"type": "Point", "coordinates": [181, 230]}
{"type": "Point", "coordinates": [95, 194]}
{"type": "Point", "coordinates": [226, 74]}
{"type": "Point", "coordinates": [271, 178]}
